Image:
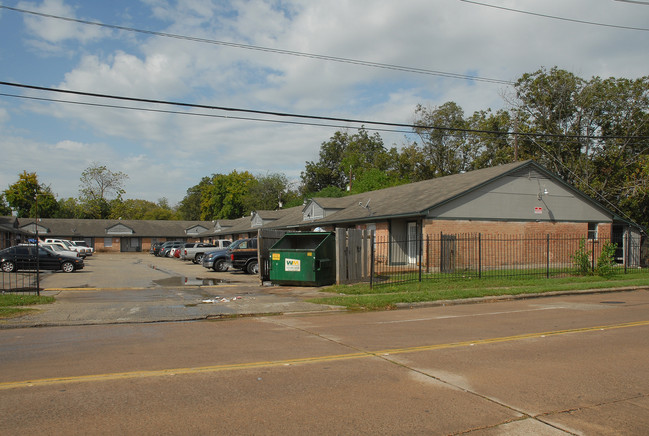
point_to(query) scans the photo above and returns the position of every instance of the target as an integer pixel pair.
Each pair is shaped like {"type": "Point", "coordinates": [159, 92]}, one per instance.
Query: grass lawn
{"type": "Point", "coordinates": [361, 297]}
{"type": "Point", "coordinates": [12, 305]}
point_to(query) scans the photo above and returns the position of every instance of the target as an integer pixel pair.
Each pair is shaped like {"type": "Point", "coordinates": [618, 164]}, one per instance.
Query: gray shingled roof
{"type": "Point", "coordinates": [413, 199]}
{"type": "Point", "coordinates": [98, 228]}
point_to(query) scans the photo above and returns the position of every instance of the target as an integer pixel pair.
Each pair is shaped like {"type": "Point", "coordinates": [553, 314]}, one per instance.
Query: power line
{"type": "Point", "coordinates": [638, 2]}
{"type": "Point", "coordinates": [285, 115]}
{"type": "Point", "coordinates": [270, 50]}
{"type": "Point", "coordinates": [554, 17]}
{"type": "Point", "coordinates": [196, 114]}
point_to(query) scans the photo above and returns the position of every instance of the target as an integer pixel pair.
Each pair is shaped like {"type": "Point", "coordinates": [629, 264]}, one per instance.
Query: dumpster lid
{"type": "Point", "coordinates": [302, 240]}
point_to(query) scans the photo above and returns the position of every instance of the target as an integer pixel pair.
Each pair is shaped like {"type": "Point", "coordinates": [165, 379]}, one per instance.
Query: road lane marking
{"type": "Point", "coordinates": [303, 360]}
{"type": "Point", "coordinates": [435, 318]}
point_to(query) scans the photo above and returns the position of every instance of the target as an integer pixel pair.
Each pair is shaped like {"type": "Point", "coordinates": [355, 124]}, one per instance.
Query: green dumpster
{"type": "Point", "coordinates": [304, 259]}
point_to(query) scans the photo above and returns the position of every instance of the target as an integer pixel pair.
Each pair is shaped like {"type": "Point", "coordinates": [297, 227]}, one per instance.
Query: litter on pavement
{"type": "Point", "coordinates": [221, 300]}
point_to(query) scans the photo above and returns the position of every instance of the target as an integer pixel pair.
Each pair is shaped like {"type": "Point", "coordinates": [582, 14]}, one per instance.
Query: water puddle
{"type": "Point", "coordinates": [188, 281]}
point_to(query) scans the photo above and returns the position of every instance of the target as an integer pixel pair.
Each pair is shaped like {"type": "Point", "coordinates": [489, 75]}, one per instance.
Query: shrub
{"type": "Point", "coordinates": [581, 259]}
{"type": "Point", "coordinates": [606, 260]}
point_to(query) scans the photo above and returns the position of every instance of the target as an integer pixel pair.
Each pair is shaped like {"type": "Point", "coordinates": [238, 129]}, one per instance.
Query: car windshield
{"type": "Point", "coordinates": [236, 244]}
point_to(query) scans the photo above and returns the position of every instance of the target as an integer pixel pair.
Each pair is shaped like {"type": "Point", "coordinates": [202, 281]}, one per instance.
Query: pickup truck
{"type": "Point", "coordinates": [84, 245]}
{"type": "Point", "coordinates": [244, 256]}
{"type": "Point", "coordinates": [195, 251]}
{"type": "Point", "coordinates": [221, 260]}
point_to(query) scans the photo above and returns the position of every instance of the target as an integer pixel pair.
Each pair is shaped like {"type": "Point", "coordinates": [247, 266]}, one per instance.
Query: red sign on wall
{"type": "Point", "coordinates": [538, 210]}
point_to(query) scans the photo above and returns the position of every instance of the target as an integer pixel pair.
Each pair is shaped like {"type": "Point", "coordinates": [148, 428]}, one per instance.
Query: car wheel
{"type": "Point", "coordinates": [253, 267]}
{"type": "Point", "coordinates": [198, 258]}
{"type": "Point", "coordinates": [8, 266]}
{"type": "Point", "coordinates": [220, 266]}
{"type": "Point", "coordinates": [67, 267]}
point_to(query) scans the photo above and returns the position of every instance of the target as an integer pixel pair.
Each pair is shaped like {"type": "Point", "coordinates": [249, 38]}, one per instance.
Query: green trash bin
{"type": "Point", "coordinates": [304, 259]}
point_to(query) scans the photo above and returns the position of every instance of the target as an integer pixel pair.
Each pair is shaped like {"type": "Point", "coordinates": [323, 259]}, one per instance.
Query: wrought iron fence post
{"type": "Point", "coordinates": [479, 255]}
{"type": "Point", "coordinates": [626, 249]}
{"type": "Point", "coordinates": [372, 259]}
{"type": "Point", "coordinates": [419, 247]}
{"type": "Point", "coordinates": [441, 252]}
{"type": "Point", "coordinates": [547, 256]}
{"type": "Point", "coordinates": [592, 254]}
{"type": "Point", "coordinates": [38, 257]}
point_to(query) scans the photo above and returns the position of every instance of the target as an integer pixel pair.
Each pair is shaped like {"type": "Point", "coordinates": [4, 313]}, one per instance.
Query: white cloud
{"type": "Point", "coordinates": [52, 31]}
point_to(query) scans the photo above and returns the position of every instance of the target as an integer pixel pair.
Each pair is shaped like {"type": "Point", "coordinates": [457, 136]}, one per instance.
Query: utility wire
{"type": "Point", "coordinates": [286, 115]}
{"type": "Point", "coordinates": [634, 1]}
{"type": "Point", "coordinates": [271, 50]}
{"type": "Point", "coordinates": [572, 20]}
{"type": "Point", "coordinates": [195, 114]}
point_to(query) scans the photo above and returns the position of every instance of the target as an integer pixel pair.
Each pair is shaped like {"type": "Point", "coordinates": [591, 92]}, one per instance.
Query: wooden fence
{"type": "Point", "coordinates": [353, 255]}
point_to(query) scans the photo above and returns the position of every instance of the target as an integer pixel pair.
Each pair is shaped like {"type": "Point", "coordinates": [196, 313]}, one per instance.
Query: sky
{"type": "Point", "coordinates": [200, 52]}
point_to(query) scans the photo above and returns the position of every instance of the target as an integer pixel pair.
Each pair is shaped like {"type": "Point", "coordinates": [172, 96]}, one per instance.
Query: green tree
{"type": "Point", "coordinates": [225, 198]}
{"type": "Point", "coordinates": [373, 179]}
{"type": "Point", "coordinates": [492, 148]}
{"type": "Point", "coordinates": [22, 197]}
{"type": "Point", "coordinates": [98, 186]}
{"type": "Point", "coordinates": [344, 155]}
{"type": "Point", "coordinates": [5, 210]}
{"type": "Point", "coordinates": [410, 164]}
{"type": "Point", "coordinates": [443, 135]}
{"type": "Point", "coordinates": [136, 209]}
{"type": "Point", "coordinates": [69, 208]}
{"type": "Point", "coordinates": [190, 206]}
{"type": "Point", "coordinates": [269, 192]}
{"type": "Point", "coordinates": [551, 104]}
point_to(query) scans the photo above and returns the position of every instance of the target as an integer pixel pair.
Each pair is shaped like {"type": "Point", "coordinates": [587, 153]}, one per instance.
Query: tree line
{"type": "Point", "coordinates": [593, 133]}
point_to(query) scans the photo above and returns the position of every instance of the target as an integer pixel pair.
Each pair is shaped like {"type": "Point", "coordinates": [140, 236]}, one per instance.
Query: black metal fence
{"type": "Point", "coordinates": [443, 256]}
{"type": "Point", "coordinates": [20, 282]}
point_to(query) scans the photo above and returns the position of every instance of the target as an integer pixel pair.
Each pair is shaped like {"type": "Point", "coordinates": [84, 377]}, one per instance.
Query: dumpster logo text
{"type": "Point", "coordinates": [291, 264]}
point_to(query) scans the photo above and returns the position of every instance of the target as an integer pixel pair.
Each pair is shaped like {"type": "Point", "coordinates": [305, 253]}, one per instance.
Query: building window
{"type": "Point", "coordinates": [108, 242]}
{"type": "Point", "coordinates": [592, 231]}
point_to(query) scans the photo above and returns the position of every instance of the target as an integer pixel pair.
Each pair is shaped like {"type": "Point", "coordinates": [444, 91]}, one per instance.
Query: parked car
{"type": "Point", "coordinates": [23, 257]}
{"type": "Point", "coordinates": [166, 247]}
{"type": "Point", "coordinates": [195, 251]}
{"type": "Point", "coordinates": [68, 245]}
{"type": "Point", "coordinates": [244, 256]}
{"type": "Point", "coordinates": [174, 252]}
{"type": "Point", "coordinates": [61, 249]}
{"type": "Point", "coordinates": [218, 259]}
{"type": "Point", "coordinates": [155, 247]}
{"type": "Point", "coordinates": [84, 244]}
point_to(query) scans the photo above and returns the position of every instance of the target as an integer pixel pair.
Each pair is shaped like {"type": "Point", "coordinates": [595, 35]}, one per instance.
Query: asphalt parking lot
{"type": "Point", "coordinates": [139, 287]}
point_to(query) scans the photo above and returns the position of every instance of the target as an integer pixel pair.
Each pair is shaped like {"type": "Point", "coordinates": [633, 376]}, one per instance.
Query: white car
{"type": "Point", "coordinates": [67, 244]}
{"type": "Point", "coordinates": [60, 249]}
{"type": "Point", "coordinates": [84, 245]}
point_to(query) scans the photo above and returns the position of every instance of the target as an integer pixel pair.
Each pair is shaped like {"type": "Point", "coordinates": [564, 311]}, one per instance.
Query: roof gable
{"type": "Point", "coordinates": [32, 228]}
{"type": "Point", "coordinates": [196, 230]}
{"type": "Point", "coordinates": [119, 229]}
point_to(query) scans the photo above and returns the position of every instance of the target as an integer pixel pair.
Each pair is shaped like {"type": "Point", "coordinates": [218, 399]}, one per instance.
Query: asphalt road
{"type": "Point", "coordinates": [549, 366]}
